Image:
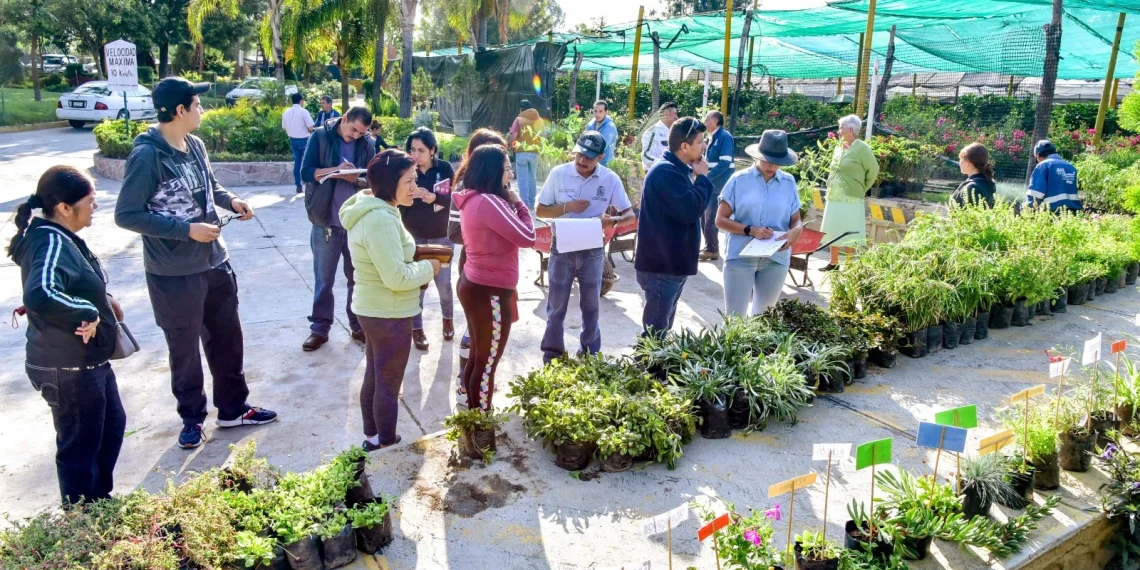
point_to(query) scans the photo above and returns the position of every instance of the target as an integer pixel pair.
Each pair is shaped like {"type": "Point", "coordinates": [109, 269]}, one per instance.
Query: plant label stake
{"type": "Point", "coordinates": [825, 452]}
{"type": "Point", "coordinates": [869, 455]}
{"type": "Point", "coordinates": [1024, 396]}
{"type": "Point", "coordinates": [711, 530]}
{"type": "Point", "coordinates": [1058, 366]}
{"type": "Point", "coordinates": [995, 442]}
{"type": "Point", "coordinates": [965, 417]}
{"type": "Point", "coordinates": [1117, 348]}
{"type": "Point", "coordinates": [790, 486]}
{"type": "Point", "coordinates": [941, 437]}
{"type": "Point", "coordinates": [665, 522]}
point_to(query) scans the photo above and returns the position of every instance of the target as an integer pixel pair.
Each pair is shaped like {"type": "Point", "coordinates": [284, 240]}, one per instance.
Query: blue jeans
{"type": "Point", "coordinates": [298, 146]}
{"type": "Point", "coordinates": [662, 292]}
{"type": "Point", "coordinates": [526, 164]}
{"type": "Point", "coordinates": [755, 279]}
{"type": "Point", "coordinates": [442, 286]}
{"type": "Point", "coordinates": [89, 425]}
{"type": "Point", "coordinates": [328, 247]}
{"type": "Point", "coordinates": [585, 266]}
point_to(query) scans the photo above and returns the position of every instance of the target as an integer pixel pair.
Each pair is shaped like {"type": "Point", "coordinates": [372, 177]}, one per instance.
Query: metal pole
{"type": "Point", "coordinates": [1106, 92]}
{"type": "Point", "coordinates": [914, 85]}
{"type": "Point", "coordinates": [839, 87]}
{"type": "Point", "coordinates": [598, 89]}
{"type": "Point", "coordinates": [859, 67]}
{"type": "Point", "coordinates": [126, 115]}
{"type": "Point", "coordinates": [871, 112]}
{"type": "Point", "coordinates": [724, 69]}
{"type": "Point", "coordinates": [636, 53]}
{"type": "Point", "coordinates": [870, 35]}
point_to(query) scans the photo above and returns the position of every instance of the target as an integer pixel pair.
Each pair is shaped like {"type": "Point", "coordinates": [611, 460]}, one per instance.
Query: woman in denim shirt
{"type": "Point", "coordinates": [756, 203]}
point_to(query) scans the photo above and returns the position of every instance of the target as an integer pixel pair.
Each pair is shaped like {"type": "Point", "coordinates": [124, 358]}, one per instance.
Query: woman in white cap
{"type": "Point", "coordinates": [759, 203]}
{"type": "Point", "coordinates": [853, 171]}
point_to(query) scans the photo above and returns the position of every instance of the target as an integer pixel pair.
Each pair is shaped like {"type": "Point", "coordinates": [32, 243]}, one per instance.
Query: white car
{"type": "Point", "coordinates": [54, 62]}
{"type": "Point", "coordinates": [252, 88]}
{"type": "Point", "coordinates": [94, 101]}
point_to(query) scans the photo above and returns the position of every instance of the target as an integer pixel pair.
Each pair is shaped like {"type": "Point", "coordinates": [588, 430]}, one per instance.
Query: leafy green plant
{"type": "Point", "coordinates": [814, 546]}
{"type": "Point", "coordinates": [253, 549]}
{"type": "Point", "coordinates": [746, 543]}
{"type": "Point", "coordinates": [1037, 437]}
{"type": "Point", "coordinates": [112, 139]}
{"type": "Point", "coordinates": [984, 475]}
{"type": "Point", "coordinates": [621, 439]}
{"type": "Point", "coordinates": [464, 421]}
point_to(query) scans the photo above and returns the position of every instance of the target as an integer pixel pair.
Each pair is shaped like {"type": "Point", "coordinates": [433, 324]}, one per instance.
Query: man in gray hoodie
{"type": "Point", "coordinates": [169, 195]}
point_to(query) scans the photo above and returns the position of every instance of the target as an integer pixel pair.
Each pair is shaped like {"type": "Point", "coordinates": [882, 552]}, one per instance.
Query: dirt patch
{"type": "Point", "coordinates": [470, 499]}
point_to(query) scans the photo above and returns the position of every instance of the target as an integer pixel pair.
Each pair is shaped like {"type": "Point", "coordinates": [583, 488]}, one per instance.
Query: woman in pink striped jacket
{"type": "Point", "coordinates": [495, 224]}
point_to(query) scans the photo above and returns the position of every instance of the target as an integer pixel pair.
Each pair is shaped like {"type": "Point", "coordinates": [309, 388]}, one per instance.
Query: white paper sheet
{"type": "Point", "coordinates": [837, 451]}
{"type": "Point", "coordinates": [764, 247]}
{"type": "Point", "coordinates": [1060, 367]}
{"type": "Point", "coordinates": [665, 521]}
{"type": "Point", "coordinates": [359, 171]}
{"type": "Point", "coordinates": [577, 234]}
{"type": "Point", "coordinates": [1092, 349]}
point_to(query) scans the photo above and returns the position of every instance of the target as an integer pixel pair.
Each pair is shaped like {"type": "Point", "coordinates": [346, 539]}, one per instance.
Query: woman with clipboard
{"type": "Point", "coordinates": [426, 220]}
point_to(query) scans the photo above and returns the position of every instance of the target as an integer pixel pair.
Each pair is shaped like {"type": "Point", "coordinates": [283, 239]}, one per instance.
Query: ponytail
{"type": "Point", "coordinates": [979, 157]}
{"type": "Point", "coordinates": [988, 172]}
{"type": "Point", "coordinates": [58, 185]}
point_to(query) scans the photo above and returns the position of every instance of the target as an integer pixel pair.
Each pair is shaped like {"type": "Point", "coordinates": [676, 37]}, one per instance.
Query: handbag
{"type": "Point", "coordinates": [440, 253]}
{"type": "Point", "coordinates": [125, 343]}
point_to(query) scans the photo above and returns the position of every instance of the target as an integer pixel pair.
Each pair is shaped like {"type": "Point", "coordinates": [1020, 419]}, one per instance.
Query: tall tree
{"type": "Point", "coordinates": [342, 21]}
{"type": "Point", "coordinates": [196, 13]}
{"type": "Point", "coordinates": [407, 28]}
{"type": "Point", "coordinates": [687, 7]}
{"type": "Point", "coordinates": [1048, 81]}
{"type": "Point", "coordinates": [33, 21]}
{"type": "Point", "coordinates": [376, 18]}
{"type": "Point", "coordinates": [271, 40]}
{"type": "Point", "coordinates": [169, 20]}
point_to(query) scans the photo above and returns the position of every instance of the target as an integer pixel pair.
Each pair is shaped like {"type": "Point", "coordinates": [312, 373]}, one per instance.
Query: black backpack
{"type": "Point", "coordinates": [319, 195]}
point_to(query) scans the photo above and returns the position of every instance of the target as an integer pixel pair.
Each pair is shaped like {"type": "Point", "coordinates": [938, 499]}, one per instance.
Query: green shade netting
{"type": "Point", "coordinates": [968, 36]}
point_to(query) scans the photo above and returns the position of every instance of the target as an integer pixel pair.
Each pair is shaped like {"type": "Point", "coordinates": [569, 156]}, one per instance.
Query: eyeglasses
{"type": "Point", "coordinates": [222, 223]}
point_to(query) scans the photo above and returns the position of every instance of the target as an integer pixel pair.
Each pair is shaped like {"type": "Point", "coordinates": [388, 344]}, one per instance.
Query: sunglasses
{"type": "Point", "coordinates": [222, 223]}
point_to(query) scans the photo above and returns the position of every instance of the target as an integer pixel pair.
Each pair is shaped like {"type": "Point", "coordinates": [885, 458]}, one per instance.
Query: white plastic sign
{"type": "Point", "coordinates": [1138, 319]}
{"type": "Point", "coordinates": [642, 566]}
{"type": "Point", "coordinates": [1092, 349]}
{"type": "Point", "coordinates": [821, 451]}
{"type": "Point", "coordinates": [1059, 368]}
{"type": "Point", "coordinates": [122, 66]}
{"type": "Point", "coordinates": [665, 521]}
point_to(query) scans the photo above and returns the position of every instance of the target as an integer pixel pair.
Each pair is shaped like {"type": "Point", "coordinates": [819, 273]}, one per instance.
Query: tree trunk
{"type": "Point", "coordinates": [275, 26]}
{"type": "Point", "coordinates": [36, 90]}
{"type": "Point", "coordinates": [343, 83]}
{"type": "Point", "coordinates": [739, 71]}
{"type": "Point", "coordinates": [407, 26]}
{"type": "Point", "coordinates": [378, 68]}
{"type": "Point", "coordinates": [482, 32]}
{"type": "Point", "coordinates": [655, 82]}
{"type": "Point", "coordinates": [163, 57]}
{"type": "Point", "coordinates": [1048, 83]}
{"type": "Point", "coordinates": [885, 80]}
{"type": "Point", "coordinates": [574, 78]}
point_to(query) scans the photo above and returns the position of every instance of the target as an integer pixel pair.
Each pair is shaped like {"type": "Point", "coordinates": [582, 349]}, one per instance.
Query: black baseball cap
{"type": "Point", "coordinates": [525, 104]}
{"type": "Point", "coordinates": [590, 144]}
{"type": "Point", "coordinates": [1044, 148]}
{"type": "Point", "coordinates": [172, 91]}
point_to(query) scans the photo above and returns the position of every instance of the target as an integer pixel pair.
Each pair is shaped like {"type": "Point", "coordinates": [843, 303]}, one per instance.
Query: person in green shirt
{"type": "Point", "coordinates": [853, 171]}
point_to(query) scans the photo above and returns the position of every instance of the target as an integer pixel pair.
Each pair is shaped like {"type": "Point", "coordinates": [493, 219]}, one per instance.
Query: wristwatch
{"type": "Point", "coordinates": [748, 231]}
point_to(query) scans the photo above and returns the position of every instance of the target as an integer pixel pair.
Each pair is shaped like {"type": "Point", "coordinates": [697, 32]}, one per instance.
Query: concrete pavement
{"type": "Point", "coordinates": [522, 511]}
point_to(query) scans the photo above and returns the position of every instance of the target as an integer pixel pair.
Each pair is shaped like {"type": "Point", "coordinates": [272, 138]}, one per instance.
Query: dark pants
{"type": "Point", "coordinates": [89, 426]}
{"type": "Point", "coordinates": [388, 344]}
{"type": "Point", "coordinates": [442, 286]}
{"type": "Point", "coordinates": [585, 266]}
{"type": "Point", "coordinates": [202, 308]}
{"type": "Point", "coordinates": [708, 223]}
{"type": "Point", "coordinates": [298, 147]}
{"type": "Point", "coordinates": [661, 295]}
{"type": "Point", "coordinates": [328, 247]}
{"type": "Point", "coordinates": [489, 312]}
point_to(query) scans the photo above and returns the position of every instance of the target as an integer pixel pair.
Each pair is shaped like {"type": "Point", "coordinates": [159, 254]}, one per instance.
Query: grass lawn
{"type": "Point", "coordinates": [21, 108]}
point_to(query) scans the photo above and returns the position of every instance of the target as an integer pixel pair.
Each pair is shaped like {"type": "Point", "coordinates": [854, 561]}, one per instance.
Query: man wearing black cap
{"type": "Point", "coordinates": [1054, 180]}
{"type": "Point", "coordinates": [579, 189]}
{"type": "Point", "coordinates": [525, 139]}
{"type": "Point", "coordinates": [169, 195]}
{"type": "Point", "coordinates": [673, 199]}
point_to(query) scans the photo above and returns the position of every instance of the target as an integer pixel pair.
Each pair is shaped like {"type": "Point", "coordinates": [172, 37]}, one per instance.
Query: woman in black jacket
{"type": "Point", "coordinates": [979, 187]}
{"type": "Point", "coordinates": [71, 332]}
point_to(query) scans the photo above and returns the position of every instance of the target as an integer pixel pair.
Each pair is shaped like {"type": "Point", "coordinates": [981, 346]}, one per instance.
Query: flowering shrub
{"type": "Point", "coordinates": [1120, 497]}
{"type": "Point", "coordinates": [746, 543]}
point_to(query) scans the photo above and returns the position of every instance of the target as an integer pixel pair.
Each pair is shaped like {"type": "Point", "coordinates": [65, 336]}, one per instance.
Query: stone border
{"type": "Point", "coordinates": [33, 127]}
{"type": "Point", "coordinates": [227, 173]}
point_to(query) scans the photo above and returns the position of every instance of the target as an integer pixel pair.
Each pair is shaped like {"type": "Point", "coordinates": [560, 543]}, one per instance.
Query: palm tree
{"type": "Point", "coordinates": [407, 28]}
{"type": "Point", "coordinates": [271, 37]}
{"type": "Point", "coordinates": [342, 21]}
{"type": "Point", "coordinates": [469, 18]}
{"type": "Point", "coordinates": [196, 13]}
{"type": "Point", "coordinates": [376, 19]}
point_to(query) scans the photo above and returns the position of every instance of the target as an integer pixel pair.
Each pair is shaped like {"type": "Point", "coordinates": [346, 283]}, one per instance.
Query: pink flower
{"type": "Point", "coordinates": [1076, 135]}
{"type": "Point", "coordinates": [950, 149]}
{"type": "Point", "coordinates": [1018, 135]}
{"type": "Point", "coordinates": [1092, 131]}
{"type": "Point", "coordinates": [941, 121]}
{"type": "Point", "coordinates": [751, 536]}
{"type": "Point", "coordinates": [999, 144]}
{"type": "Point", "coordinates": [773, 513]}
{"type": "Point", "coordinates": [832, 135]}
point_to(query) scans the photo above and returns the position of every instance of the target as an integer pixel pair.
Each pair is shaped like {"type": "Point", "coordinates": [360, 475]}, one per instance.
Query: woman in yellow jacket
{"type": "Point", "coordinates": [387, 293]}
{"type": "Point", "coordinates": [853, 171]}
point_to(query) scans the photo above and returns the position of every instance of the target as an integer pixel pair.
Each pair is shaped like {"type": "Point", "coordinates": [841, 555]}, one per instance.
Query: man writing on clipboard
{"type": "Point", "coordinates": [577, 190]}
{"type": "Point", "coordinates": [341, 145]}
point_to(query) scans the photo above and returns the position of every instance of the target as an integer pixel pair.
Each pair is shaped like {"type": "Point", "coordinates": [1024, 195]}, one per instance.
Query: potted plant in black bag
{"type": "Point", "coordinates": [1038, 440]}
{"type": "Point", "coordinates": [708, 388]}
{"type": "Point", "coordinates": [474, 431]}
{"type": "Point", "coordinates": [815, 552]}
{"type": "Point", "coordinates": [373, 524]}
{"type": "Point", "coordinates": [983, 482]}
{"type": "Point", "coordinates": [1077, 441]}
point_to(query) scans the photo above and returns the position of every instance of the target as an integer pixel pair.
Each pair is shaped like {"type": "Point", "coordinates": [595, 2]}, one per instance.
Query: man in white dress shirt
{"type": "Point", "coordinates": [655, 141]}
{"type": "Point", "coordinates": [298, 123]}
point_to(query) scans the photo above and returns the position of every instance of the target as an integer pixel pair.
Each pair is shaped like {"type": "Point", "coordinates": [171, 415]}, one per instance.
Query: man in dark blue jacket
{"type": "Point", "coordinates": [720, 155]}
{"type": "Point", "coordinates": [669, 228]}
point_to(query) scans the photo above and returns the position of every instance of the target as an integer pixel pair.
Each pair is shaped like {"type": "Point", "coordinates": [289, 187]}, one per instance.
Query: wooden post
{"type": "Point", "coordinates": [914, 85]}
{"type": "Point", "coordinates": [427, 49]}
{"type": "Point", "coordinates": [459, 45]}
{"type": "Point", "coordinates": [1044, 112]}
{"type": "Point", "coordinates": [655, 81]}
{"type": "Point", "coordinates": [826, 493]}
{"type": "Point", "coordinates": [1026, 433]}
{"type": "Point", "coordinates": [1106, 91]}
{"type": "Point", "coordinates": [1115, 87]}
{"type": "Point", "coordinates": [791, 510]}
{"type": "Point", "coordinates": [839, 87]}
{"type": "Point", "coordinates": [636, 53]}
{"type": "Point", "coordinates": [574, 79]}
{"type": "Point", "coordinates": [1009, 91]}
{"type": "Point", "coordinates": [871, 506]}
{"type": "Point", "coordinates": [751, 46]}
{"type": "Point", "coordinates": [860, 106]}
{"type": "Point", "coordinates": [724, 68]}
{"type": "Point", "coordinates": [716, 552]}
{"type": "Point", "coordinates": [670, 538]}
{"type": "Point", "coordinates": [957, 462]}
{"type": "Point", "coordinates": [771, 86]}
{"type": "Point", "coordinates": [938, 455]}
{"type": "Point", "coordinates": [1115, 392]}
